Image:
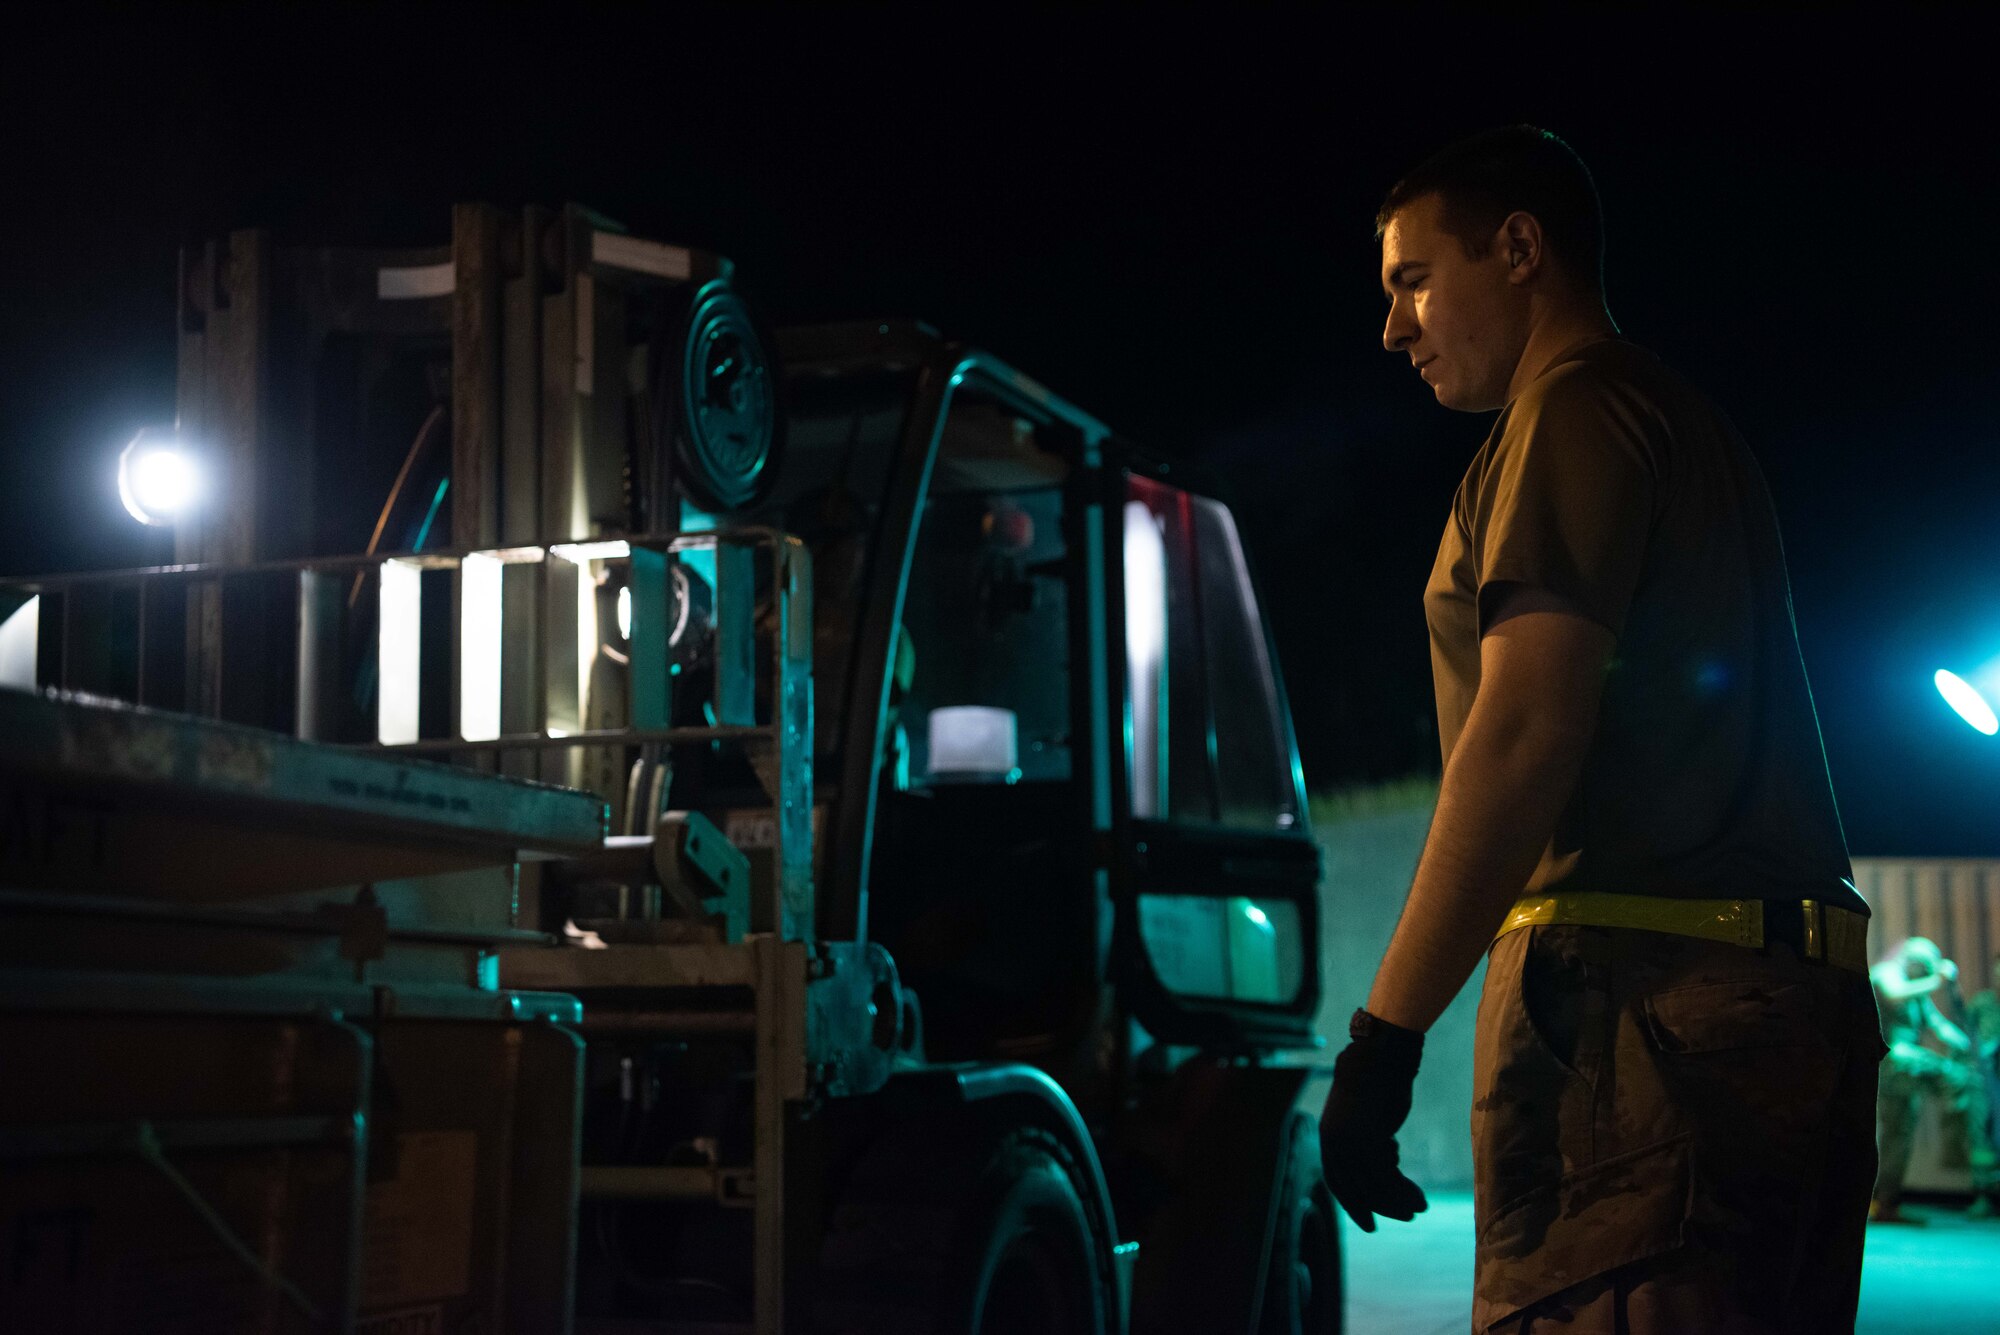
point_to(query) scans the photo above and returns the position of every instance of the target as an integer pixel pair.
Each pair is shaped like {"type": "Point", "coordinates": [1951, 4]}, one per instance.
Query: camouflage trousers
{"type": "Point", "coordinates": [1910, 1077]}
{"type": "Point", "coordinates": [1669, 1135]}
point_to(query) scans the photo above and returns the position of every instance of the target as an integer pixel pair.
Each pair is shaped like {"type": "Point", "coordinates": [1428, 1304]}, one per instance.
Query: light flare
{"type": "Point", "coordinates": [1970, 704]}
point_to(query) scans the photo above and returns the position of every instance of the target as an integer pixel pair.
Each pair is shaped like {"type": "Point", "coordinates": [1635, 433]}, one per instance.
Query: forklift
{"type": "Point", "coordinates": [936, 948]}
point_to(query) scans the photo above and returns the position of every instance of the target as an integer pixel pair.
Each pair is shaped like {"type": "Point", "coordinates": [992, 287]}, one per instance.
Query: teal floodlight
{"type": "Point", "coordinates": [1962, 696]}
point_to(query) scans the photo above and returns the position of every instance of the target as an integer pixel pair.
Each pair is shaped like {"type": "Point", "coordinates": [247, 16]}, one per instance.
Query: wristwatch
{"type": "Point", "coordinates": [1363, 1027]}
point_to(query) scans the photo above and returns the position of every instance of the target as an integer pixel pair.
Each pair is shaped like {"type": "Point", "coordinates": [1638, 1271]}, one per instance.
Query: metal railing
{"type": "Point", "coordinates": [497, 659]}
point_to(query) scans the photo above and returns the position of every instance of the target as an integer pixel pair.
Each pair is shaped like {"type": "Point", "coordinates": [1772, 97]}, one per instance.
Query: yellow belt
{"type": "Point", "coordinates": [1834, 935]}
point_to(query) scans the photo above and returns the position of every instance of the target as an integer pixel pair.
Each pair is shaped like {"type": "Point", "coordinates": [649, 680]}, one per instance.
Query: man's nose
{"type": "Point", "coordinates": [1399, 331]}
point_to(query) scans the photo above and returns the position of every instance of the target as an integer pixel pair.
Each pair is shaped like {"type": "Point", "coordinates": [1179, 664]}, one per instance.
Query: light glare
{"type": "Point", "coordinates": [1146, 654]}
{"type": "Point", "coordinates": [157, 481]}
{"type": "Point", "coordinates": [1969, 703]}
{"type": "Point", "coordinates": [611, 549]}
{"type": "Point", "coordinates": [399, 652]}
{"type": "Point", "coordinates": [20, 636]}
{"type": "Point", "coordinates": [479, 646]}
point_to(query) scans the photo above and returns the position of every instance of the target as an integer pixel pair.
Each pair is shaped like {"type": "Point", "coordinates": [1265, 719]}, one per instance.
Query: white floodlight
{"type": "Point", "coordinates": [1970, 704]}
{"type": "Point", "coordinates": [157, 479]}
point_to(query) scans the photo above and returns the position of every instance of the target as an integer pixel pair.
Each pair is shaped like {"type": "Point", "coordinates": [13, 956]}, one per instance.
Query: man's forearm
{"type": "Point", "coordinates": [1896, 987]}
{"type": "Point", "coordinates": [1949, 1033]}
{"type": "Point", "coordinates": [1502, 794]}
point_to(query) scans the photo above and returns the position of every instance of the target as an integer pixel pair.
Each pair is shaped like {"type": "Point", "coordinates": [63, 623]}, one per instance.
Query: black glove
{"type": "Point", "coordinates": [1357, 1132]}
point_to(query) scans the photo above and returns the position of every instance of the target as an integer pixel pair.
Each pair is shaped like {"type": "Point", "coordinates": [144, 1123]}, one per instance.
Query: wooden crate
{"type": "Point", "coordinates": [168, 1170]}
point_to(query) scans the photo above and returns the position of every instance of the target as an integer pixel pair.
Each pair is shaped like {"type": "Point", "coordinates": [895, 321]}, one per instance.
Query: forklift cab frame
{"type": "Point", "coordinates": [1199, 855]}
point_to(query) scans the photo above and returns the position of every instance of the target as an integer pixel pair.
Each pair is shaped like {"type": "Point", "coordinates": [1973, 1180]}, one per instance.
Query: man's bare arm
{"type": "Point", "coordinates": [1948, 1033]}
{"type": "Point", "coordinates": [1541, 676]}
{"type": "Point", "coordinates": [1898, 986]}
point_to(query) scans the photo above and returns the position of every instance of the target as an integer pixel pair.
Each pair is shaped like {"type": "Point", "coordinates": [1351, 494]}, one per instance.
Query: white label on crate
{"type": "Point", "coordinates": [427, 1320]}
{"type": "Point", "coordinates": [751, 828]}
{"type": "Point", "coordinates": [754, 828]}
{"type": "Point", "coordinates": [417, 1242]}
{"type": "Point", "coordinates": [423, 280]}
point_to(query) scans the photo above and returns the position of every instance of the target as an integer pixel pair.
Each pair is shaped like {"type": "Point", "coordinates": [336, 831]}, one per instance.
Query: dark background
{"type": "Point", "coordinates": [1168, 219]}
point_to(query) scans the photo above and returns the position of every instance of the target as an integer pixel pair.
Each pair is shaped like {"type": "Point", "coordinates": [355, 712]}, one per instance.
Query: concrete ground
{"type": "Point", "coordinates": [1416, 1278]}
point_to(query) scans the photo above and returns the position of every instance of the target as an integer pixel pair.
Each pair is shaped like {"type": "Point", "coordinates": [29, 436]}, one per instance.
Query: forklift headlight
{"type": "Point", "coordinates": [157, 479]}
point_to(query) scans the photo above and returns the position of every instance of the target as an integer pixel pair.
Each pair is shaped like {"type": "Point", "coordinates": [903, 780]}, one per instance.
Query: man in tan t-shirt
{"type": "Point", "coordinates": [1676, 1053]}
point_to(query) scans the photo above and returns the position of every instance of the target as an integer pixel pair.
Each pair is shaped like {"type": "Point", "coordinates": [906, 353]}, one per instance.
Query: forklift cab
{"type": "Point", "coordinates": [1052, 810]}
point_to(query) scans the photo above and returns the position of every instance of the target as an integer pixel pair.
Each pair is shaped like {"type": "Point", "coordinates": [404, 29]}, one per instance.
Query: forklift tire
{"type": "Point", "coordinates": [987, 1236]}
{"type": "Point", "coordinates": [1303, 1290]}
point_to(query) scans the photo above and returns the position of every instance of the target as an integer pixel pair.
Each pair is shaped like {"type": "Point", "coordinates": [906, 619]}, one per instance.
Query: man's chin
{"type": "Point", "coordinates": [1461, 403]}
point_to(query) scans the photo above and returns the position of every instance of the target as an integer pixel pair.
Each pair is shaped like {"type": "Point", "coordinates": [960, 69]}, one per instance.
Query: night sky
{"type": "Point", "coordinates": [1166, 220]}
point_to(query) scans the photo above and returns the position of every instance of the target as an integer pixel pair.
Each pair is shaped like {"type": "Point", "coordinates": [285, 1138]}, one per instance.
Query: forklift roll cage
{"type": "Point", "coordinates": [1132, 854]}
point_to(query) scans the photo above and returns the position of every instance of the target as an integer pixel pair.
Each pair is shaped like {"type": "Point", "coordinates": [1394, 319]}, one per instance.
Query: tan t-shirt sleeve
{"type": "Point", "coordinates": [1566, 503]}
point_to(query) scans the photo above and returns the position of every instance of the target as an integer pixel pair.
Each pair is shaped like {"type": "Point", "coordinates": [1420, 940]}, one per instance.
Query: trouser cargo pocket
{"type": "Point", "coordinates": [1623, 1209]}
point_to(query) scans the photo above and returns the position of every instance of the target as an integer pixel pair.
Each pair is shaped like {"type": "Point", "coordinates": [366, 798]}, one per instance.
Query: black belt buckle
{"type": "Point", "coordinates": [1798, 923]}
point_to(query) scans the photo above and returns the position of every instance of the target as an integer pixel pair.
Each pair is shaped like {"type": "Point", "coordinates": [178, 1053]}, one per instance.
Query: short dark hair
{"type": "Point", "coordinates": [1482, 179]}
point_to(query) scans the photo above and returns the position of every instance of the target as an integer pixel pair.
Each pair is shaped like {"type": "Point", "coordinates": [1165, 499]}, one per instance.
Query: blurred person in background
{"type": "Point", "coordinates": [1931, 1059]}
{"type": "Point", "coordinates": [1983, 1012]}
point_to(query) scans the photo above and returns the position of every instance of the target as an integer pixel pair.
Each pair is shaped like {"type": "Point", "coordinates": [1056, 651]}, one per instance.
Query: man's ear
{"type": "Point", "coordinates": [1521, 243]}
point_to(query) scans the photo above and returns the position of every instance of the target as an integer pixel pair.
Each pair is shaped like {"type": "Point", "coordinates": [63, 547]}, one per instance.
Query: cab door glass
{"type": "Point", "coordinates": [1232, 948]}
{"type": "Point", "coordinates": [981, 694]}
{"type": "Point", "coordinates": [1205, 735]}
{"type": "Point", "coordinates": [1206, 746]}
